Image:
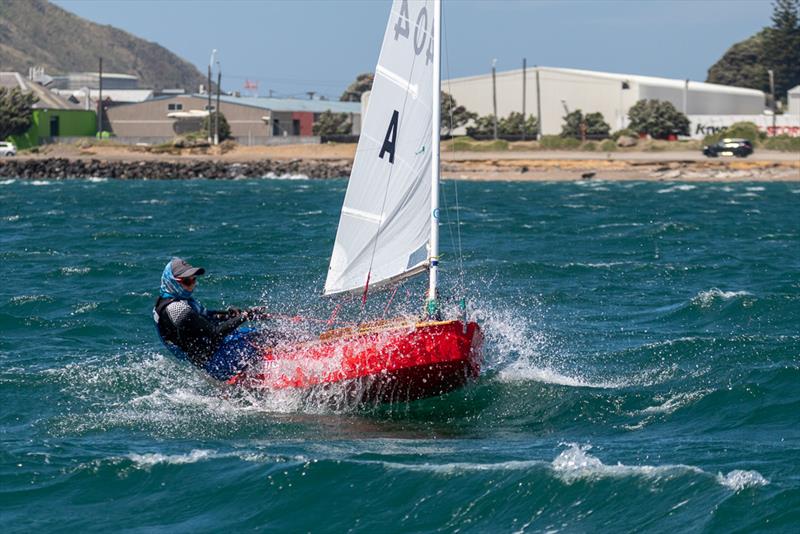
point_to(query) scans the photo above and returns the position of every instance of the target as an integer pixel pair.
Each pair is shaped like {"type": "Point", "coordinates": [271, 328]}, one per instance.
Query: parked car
{"type": "Point", "coordinates": [7, 149]}
{"type": "Point", "coordinates": [741, 148]}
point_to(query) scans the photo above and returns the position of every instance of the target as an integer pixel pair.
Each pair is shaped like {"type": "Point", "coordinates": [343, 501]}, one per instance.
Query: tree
{"type": "Point", "coordinates": [224, 127]}
{"type": "Point", "coordinates": [16, 111]}
{"type": "Point", "coordinates": [516, 124]}
{"type": "Point", "coordinates": [782, 45]}
{"type": "Point", "coordinates": [452, 115]}
{"type": "Point", "coordinates": [657, 118]}
{"type": "Point", "coordinates": [743, 65]}
{"type": "Point", "coordinates": [330, 123]}
{"type": "Point", "coordinates": [482, 126]}
{"type": "Point", "coordinates": [591, 126]}
{"type": "Point", "coordinates": [775, 48]}
{"type": "Point", "coordinates": [506, 126]}
{"type": "Point", "coordinates": [354, 91]}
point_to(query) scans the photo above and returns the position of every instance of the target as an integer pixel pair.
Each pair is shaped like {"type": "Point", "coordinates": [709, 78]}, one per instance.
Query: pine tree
{"type": "Point", "coordinates": [782, 45]}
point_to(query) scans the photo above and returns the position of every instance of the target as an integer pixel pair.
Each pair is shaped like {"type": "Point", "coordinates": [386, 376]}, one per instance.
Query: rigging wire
{"type": "Point", "coordinates": [388, 183]}
{"type": "Point", "coordinates": [453, 149]}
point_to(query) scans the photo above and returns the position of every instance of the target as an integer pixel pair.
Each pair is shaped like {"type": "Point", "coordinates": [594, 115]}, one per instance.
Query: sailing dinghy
{"type": "Point", "coordinates": [388, 232]}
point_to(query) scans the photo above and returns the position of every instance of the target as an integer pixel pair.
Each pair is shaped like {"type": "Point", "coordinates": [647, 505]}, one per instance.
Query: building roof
{"type": "Point", "coordinates": [47, 98]}
{"type": "Point", "coordinates": [794, 90]}
{"type": "Point", "coordinates": [291, 104]}
{"type": "Point", "coordinates": [115, 95]}
{"type": "Point", "coordinates": [643, 80]}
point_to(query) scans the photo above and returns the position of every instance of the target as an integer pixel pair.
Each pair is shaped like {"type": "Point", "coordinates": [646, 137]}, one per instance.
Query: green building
{"type": "Point", "coordinates": [53, 115]}
{"type": "Point", "coordinates": [49, 123]}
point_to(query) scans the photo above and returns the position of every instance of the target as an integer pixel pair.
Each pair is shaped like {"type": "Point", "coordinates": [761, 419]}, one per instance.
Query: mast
{"type": "Point", "coordinates": [432, 306]}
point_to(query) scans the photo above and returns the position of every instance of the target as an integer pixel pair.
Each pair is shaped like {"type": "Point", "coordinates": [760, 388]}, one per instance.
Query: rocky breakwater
{"type": "Point", "coordinates": [62, 169]}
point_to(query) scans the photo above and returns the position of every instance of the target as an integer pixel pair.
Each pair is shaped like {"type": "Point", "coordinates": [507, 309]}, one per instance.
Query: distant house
{"type": "Point", "coordinates": [53, 115]}
{"type": "Point", "coordinates": [253, 120]}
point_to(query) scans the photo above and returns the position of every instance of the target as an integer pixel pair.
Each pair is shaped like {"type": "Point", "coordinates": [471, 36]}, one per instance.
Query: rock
{"type": "Point", "coordinates": [625, 141]}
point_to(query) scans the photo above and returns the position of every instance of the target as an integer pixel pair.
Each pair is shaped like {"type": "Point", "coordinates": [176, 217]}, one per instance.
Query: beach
{"type": "Point", "coordinates": [335, 160]}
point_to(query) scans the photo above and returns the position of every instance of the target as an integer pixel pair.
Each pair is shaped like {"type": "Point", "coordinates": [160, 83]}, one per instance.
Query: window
{"type": "Point", "coordinates": [174, 107]}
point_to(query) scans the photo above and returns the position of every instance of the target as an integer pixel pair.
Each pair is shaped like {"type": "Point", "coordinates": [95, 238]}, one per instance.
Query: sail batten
{"type": "Point", "coordinates": [384, 232]}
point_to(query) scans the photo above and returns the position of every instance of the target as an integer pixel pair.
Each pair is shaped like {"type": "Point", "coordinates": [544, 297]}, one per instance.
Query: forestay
{"type": "Point", "coordinates": [385, 225]}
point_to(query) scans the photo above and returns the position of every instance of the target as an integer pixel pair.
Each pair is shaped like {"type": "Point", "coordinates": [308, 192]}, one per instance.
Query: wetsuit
{"type": "Point", "coordinates": [197, 335]}
{"type": "Point", "coordinates": [211, 340]}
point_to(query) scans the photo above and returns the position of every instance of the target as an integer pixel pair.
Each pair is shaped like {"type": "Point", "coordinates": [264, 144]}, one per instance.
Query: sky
{"type": "Point", "coordinates": [291, 47]}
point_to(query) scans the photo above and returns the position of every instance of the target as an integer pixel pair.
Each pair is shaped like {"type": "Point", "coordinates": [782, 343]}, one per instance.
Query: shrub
{"type": "Point", "coordinates": [743, 130]}
{"type": "Point", "coordinates": [595, 126]}
{"type": "Point", "coordinates": [330, 123]}
{"type": "Point", "coordinates": [657, 118]}
{"type": "Point", "coordinates": [514, 124]}
{"type": "Point", "coordinates": [550, 141]}
{"type": "Point", "coordinates": [224, 127]}
{"type": "Point", "coordinates": [782, 142]}
{"type": "Point", "coordinates": [626, 132]}
{"type": "Point", "coordinates": [590, 146]}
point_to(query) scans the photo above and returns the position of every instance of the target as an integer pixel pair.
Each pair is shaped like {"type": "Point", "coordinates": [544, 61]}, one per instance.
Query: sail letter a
{"type": "Point", "coordinates": [390, 140]}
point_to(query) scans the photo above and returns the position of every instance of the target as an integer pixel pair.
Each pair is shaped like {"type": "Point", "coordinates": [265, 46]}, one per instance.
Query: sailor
{"type": "Point", "coordinates": [211, 340]}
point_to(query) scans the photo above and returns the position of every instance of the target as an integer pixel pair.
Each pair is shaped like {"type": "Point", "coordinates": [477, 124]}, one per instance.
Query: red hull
{"type": "Point", "coordinates": [384, 362]}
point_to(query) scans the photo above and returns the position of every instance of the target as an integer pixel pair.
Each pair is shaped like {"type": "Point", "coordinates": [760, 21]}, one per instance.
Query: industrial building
{"type": "Point", "coordinates": [253, 120]}
{"type": "Point", "coordinates": [53, 116]}
{"type": "Point", "coordinates": [557, 91]}
{"type": "Point", "coordinates": [793, 97]}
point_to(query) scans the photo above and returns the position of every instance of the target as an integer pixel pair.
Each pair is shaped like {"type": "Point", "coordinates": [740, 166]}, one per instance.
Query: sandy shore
{"type": "Point", "coordinates": [508, 165]}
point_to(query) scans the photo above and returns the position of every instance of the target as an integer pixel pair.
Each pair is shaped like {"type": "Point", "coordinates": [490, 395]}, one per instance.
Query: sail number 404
{"type": "Point", "coordinates": [422, 34]}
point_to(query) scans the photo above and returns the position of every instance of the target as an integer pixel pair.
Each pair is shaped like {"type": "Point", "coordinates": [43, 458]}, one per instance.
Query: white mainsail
{"type": "Point", "coordinates": [386, 222]}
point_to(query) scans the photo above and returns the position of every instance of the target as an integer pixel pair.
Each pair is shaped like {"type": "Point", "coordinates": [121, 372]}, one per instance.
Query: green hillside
{"type": "Point", "coordinates": [38, 33]}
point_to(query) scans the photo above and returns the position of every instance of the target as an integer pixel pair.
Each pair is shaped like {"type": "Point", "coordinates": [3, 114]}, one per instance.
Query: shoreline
{"type": "Point", "coordinates": [335, 161]}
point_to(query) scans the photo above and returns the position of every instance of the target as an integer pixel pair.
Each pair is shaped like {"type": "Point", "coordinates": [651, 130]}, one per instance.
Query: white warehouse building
{"type": "Point", "coordinates": [590, 91]}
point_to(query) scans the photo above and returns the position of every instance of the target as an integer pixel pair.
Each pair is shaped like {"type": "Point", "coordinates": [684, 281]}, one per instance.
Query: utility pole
{"type": "Point", "coordinates": [216, 114]}
{"type": "Point", "coordinates": [686, 97]}
{"type": "Point", "coordinates": [524, 80]}
{"type": "Point", "coordinates": [208, 92]}
{"type": "Point", "coordinates": [772, 92]}
{"type": "Point", "coordinates": [538, 107]}
{"type": "Point", "coordinates": [100, 99]}
{"type": "Point", "coordinates": [494, 96]}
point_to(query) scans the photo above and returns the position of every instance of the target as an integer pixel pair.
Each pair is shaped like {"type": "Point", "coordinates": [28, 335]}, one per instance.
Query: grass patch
{"type": "Point", "coordinates": [783, 143]}
{"type": "Point", "coordinates": [608, 145]}
{"type": "Point", "coordinates": [467, 144]}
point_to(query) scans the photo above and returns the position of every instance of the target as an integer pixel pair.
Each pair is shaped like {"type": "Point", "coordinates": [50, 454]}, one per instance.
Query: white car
{"type": "Point", "coordinates": [7, 149]}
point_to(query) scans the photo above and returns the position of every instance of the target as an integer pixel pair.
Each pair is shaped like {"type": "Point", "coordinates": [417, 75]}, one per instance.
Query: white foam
{"type": "Point", "coordinates": [575, 463]}
{"type": "Point", "coordinates": [524, 372]}
{"type": "Point", "coordinates": [706, 298]}
{"type": "Point", "coordinates": [74, 270]}
{"type": "Point", "coordinates": [96, 180]}
{"type": "Point", "coordinates": [272, 176]}
{"type": "Point", "coordinates": [675, 402]}
{"type": "Point", "coordinates": [149, 460]}
{"type": "Point", "coordinates": [7, 182]}
{"type": "Point", "coordinates": [40, 182]}
{"type": "Point", "coordinates": [679, 187]}
{"type": "Point", "coordinates": [738, 479]}
{"type": "Point", "coordinates": [83, 308]}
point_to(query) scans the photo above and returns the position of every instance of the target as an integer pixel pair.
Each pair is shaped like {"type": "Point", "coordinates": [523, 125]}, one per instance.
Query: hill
{"type": "Point", "coordinates": [775, 48]}
{"type": "Point", "coordinates": [38, 33]}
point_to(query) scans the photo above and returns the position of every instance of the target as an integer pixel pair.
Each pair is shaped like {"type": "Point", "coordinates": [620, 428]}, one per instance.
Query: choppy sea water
{"type": "Point", "coordinates": [642, 364]}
